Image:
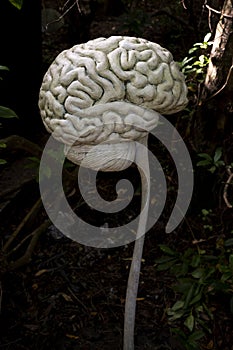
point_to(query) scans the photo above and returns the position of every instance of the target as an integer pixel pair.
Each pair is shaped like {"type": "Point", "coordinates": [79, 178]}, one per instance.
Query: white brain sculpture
{"type": "Point", "coordinates": [109, 92]}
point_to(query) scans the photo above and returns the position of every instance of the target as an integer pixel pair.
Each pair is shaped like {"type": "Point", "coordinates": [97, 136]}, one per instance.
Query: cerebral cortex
{"type": "Point", "coordinates": [110, 89]}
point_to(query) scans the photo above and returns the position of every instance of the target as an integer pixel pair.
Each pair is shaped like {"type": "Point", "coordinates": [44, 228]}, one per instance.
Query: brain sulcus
{"type": "Point", "coordinates": [109, 90]}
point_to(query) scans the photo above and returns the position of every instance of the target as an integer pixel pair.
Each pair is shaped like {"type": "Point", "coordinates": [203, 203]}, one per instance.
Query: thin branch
{"type": "Point", "coordinates": [78, 6]}
{"type": "Point", "coordinates": [209, 19]}
{"type": "Point", "coordinates": [218, 12]}
{"type": "Point", "coordinates": [60, 17]}
{"type": "Point", "coordinates": [76, 2]}
{"type": "Point", "coordinates": [226, 188]}
{"type": "Point", "coordinates": [64, 6]}
{"type": "Point", "coordinates": [183, 4]}
{"type": "Point", "coordinates": [19, 245]}
{"type": "Point", "coordinates": [25, 259]}
{"type": "Point", "coordinates": [30, 215]}
{"type": "Point", "coordinates": [19, 143]}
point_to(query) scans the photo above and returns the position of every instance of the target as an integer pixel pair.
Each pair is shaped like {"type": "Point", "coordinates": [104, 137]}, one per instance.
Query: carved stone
{"type": "Point", "coordinates": [109, 91]}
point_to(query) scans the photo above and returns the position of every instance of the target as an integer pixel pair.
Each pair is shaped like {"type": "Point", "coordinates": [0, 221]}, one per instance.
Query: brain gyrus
{"type": "Point", "coordinates": [119, 81]}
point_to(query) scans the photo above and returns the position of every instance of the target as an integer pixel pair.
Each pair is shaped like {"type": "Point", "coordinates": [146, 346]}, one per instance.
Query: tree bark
{"type": "Point", "coordinates": [212, 122]}
{"type": "Point", "coordinates": [221, 56]}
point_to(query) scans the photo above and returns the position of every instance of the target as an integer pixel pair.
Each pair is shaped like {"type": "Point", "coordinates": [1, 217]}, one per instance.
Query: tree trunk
{"type": "Point", "coordinates": [212, 124]}
{"type": "Point", "coordinates": [222, 50]}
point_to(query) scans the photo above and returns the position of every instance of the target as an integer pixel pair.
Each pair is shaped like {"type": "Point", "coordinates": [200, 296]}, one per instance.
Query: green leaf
{"type": "Point", "coordinates": [175, 316]}
{"type": "Point", "coordinates": [164, 259]}
{"type": "Point", "coordinates": [205, 155]}
{"type": "Point", "coordinates": [4, 68]}
{"type": "Point", "coordinates": [212, 169]}
{"type": "Point", "coordinates": [166, 266]}
{"type": "Point", "coordinates": [207, 37]}
{"type": "Point", "coordinates": [205, 212]}
{"type": "Point", "coordinates": [184, 269]}
{"type": "Point", "coordinates": [187, 60]}
{"type": "Point", "coordinates": [199, 308]}
{"type": "Point", "coordinates": [231, 261]}
{"type": "Point", "coordinates": [7, 113]}
{"type": "Point", "coordinates": [17, 3]}
{"type": "Point", "coordinates": [229, 242]}
{"type": "Point", "coordinates": [184, 285]}
{"type": "Point", "coordinates": [218, 154]}
{"type": "Point", "coordinates": [196, 298]}
{"type": "Point", "coordinates": [167, 250]}
{"type": "Point", "coordinates": [223, 268]}
{"type": "Point", "coordinates": [196, 259]}
{"type": "Point", "coordinates": [2, 145]}
{"type": "Point", "coordinates": [226, 276]}
{"type": "Point", "coordinates": [219, 163]}
{"type": "Point", "coordinates": [196, 63]}
{"type": "Point", "coordinates": [3, 161]}
{"type": "Point", "coordinates": [202, 59]}
{"type": "Point", "coordinates": [211, 271]}
{"type": "Point", "coordinates": [196, 336]}
{"type": "Point", "coordinates": [34, 159]}
{"type": "Point", "coordinates": [203, 162]}
{"type": "Point", "coordinates": [208, 311]}
{"type": "Point", "coordinates": [193, 49]}
{"type": "Point", "coordinates": [188, 253]}
{"type": "Point", "coordinates": [178, 305]}
{"type": "Point", "coordinates": [189, 322]}
{"type": "Point", "coordinates": [204, 46]}
{"type": "Point", "coordinates": [198, 273]}
{"type": "Point", "coordinates": [197, 44]}
{"type": "Point", "coordinates": [190, 295]}
{"type": "Point", "coordinates": [199, 71]}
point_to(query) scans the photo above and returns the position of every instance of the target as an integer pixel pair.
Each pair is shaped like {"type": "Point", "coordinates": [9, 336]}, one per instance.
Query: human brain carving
{"type": "Point", "coordinates": [109, 91]}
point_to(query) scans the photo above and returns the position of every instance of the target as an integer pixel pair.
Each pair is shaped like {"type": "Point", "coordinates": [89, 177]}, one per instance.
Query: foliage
{"type": "Point", "coordinates": [189, 342]}
{"type": "Point", "coordinates": [2, 161]}
{"type": "Point", "coordinates": [211, 163]}
{"type": "Point", "coordinates": [199, 276]}
{"type": "Point", "coordinates": [2, 68]}
{"type": "Point", "coordinates": [17, 3]}
{"type": "Point", "coordinates": [46, 172]}
{"type": "Point", "coordinates": [194, 66]}
{"type": "Point", "coordinates": [5, 113]}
